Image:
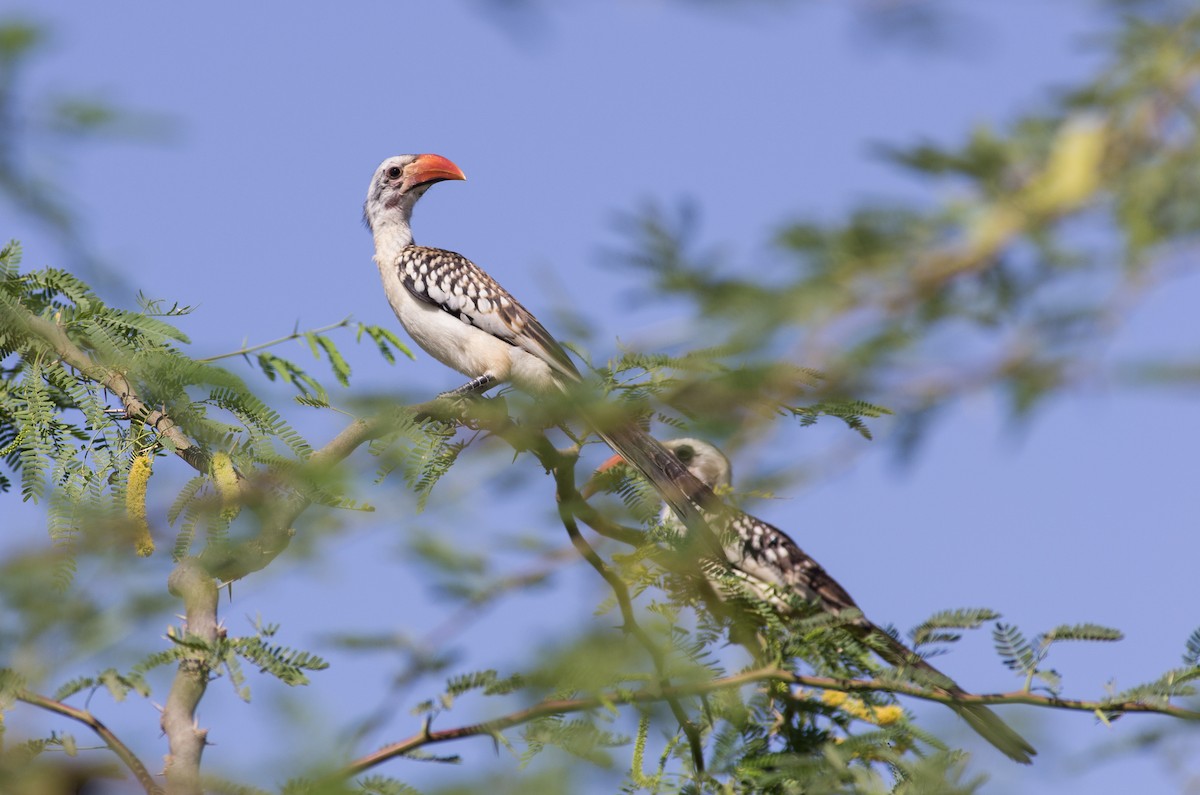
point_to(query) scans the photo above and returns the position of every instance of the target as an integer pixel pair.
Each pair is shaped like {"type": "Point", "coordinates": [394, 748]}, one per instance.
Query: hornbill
{"type": "Point", "coordinates": [770, 565]}
{"type": "Point", "coordinates": [463, 318]}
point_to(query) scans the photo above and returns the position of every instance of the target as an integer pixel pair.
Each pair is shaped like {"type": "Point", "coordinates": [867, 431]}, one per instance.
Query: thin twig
{"type": "Point", "coordinates": [295, 335]}
{"type": "Point", "coordinates": [230, 563]}
{"type": "Point", "coordinates": [92, 722]}
{"type": "Point", "coordinates": [427, 647]}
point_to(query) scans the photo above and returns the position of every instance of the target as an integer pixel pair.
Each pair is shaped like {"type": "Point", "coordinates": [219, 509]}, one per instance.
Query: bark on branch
{"type": "Point", "coordinates": [552, 707]}
{"type": "Point", "coordinates": [564, 477]}
{"type": "Point", "coordinates": [119, 748]}
{"type": "Point", "coordinates": [186, 740]}
{"type": "Point", "coordinates": [55, 339]}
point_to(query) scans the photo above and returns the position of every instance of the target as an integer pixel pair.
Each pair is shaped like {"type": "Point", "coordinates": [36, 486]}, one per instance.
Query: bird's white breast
{"type": "Point", "coordinates": [458, 344]}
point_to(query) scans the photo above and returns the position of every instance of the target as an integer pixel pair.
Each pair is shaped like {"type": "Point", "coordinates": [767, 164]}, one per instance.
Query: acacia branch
{"type": "Point", "coordinates": [55, 339]}
{"type": "Point", "coordinates": [564, 477]}
{"type": "Point", "coordinates": [92, 722]}
{"type": "Point", "coordinates": [186, 740]}
{"type": "Point", "coordinates": [237, 561]}
{"type": "Point", "coordinates": [552, 707]}
{"type": "Point", "coordinates": [480, 414]}
{"type": "Point", "coordinates": [605, 526]}
{"type": "Point", "coordinates": [194, 580]}
{"type": "Point", "coordinates": [232, 562]}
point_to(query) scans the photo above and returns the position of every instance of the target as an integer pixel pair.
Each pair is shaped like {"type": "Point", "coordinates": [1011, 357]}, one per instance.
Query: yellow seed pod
{"type": "Point", "coordinates": [226, 482]}
{"type": "Point", "coordinates": [135, 503]}
{"type": "Point", "coordinates": [1073, 170]}
{"type": "Point", "coordinates": [834, 698]}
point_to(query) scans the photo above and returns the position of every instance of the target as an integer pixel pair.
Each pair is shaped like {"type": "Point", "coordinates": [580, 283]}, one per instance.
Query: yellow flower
{"type": "Point", "coordinates": [834, 698]}
{"type": "Point", "coordinates": [857, 708]}
{"type": "Point", "coordinates": [885, 716]}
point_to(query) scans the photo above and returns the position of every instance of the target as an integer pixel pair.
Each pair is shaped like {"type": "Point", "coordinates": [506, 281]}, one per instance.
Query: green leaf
{"type": "Point", "coordinates": [319, 342]}
{"type": "Point", "coordinates": [385, 340]}
{"type": "Point", "coordinates": [290, 373]}
{"type": "Point", "coordinates": [381, 785]}
{"type": "Point", "coordinates": [1016, 652]}
{"type": "Point", "coordinates": [72, 687]}
{"type": "Point", "coordinates": [930, 630]}
{"type": "Point", "coordinates": [1093, 632]}
{"type": "Point", "coordinates": [465, 683]}
{"type": "Point", "coordinates": [311, 401]}
{"type": "Point", "coordinates": [185, 497]}
{"type": "Point", "coordinates": [1192, 655]}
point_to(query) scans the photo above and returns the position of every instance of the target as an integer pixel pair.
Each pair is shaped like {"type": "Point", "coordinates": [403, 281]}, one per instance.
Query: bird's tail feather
{"type": "Point", "coordinates": [678, 487]}
{"type": "Point", "coordinates": [987, 724]}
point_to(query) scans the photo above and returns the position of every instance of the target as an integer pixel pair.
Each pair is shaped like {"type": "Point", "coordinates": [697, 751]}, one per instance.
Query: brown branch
{"type": "Point", "coordinates": [194, 579]}
{"type": "Point", "coordinates": [295, 335]}
{"type": "Point", "coordinates": [234, 562]}
{"type": "Point", "coordinates": [568, 497]}
{"type": "Point", "coordinates": [605, 526]}
{"type": "Point", "coordinates": [552, 707]}
{"type": "Point", "coordinates": [55, 339]}
{"type": "Point", "coordinates": [985, 699]}
{"type": "Point", "coordinates": [239, 560]}
{"type": "Point", "coordinates": [185, 738]}
{"type": "Point", "coordinates": [251, 555]}
{"type": "Point", "coordinates": [541, 710]}
{"type": "Point", "coordinates": [228, 563]}
{"type": "Point", "coordinates": [92, 722]}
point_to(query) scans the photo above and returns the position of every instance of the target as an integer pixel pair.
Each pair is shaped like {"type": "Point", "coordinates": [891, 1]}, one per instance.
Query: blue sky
{"type": "Point", "coordinates": [251, 210]}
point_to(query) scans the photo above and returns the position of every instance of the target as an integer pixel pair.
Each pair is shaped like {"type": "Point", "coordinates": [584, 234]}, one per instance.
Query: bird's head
{"type": "Point", "coordinates": [400, 181]}
{"type": "Point", "coordinates": [706, 463]}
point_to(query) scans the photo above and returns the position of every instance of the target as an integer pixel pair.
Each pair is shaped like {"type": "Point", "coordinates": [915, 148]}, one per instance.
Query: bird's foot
{"type": "Point", "coordinates": [476, 386]}
{"type": "Point", "coordinates": [470, 408]}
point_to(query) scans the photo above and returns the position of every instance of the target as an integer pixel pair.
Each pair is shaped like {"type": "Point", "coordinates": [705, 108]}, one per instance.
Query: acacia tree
{"type": "Point", "coordinates": [96, 399]}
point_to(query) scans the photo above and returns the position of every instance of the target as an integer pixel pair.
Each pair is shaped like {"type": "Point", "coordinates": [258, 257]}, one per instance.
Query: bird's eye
{"type": "Point", "coordinates": [685, 453]}
{"type": "Point", "coordinates": [394, 172]}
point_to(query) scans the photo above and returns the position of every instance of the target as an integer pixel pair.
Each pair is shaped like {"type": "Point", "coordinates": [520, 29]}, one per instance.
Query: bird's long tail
{"type": "Point", "coordinates": [986, 723]}
{"type": "Point", "coordinates": [989, 726]}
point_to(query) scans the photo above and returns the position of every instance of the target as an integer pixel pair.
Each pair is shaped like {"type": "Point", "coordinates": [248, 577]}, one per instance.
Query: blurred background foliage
{"type": "Point", "coordinates": [1052, 228]}
{"type": "Point", "coordinates": [40, 133]}
{"type": "Point", "coordinates": [1049, 228]}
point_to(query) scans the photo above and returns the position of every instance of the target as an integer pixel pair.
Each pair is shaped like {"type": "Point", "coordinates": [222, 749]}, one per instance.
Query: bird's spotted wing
{"type": "Point", "coordinates": [769, 555]}
{"type": "Point", "coordinates": [456, 285]}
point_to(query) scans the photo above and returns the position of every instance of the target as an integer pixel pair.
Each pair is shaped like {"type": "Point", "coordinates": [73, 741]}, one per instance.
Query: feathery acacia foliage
{"type": "Point", "coordinates": [994, 290]}
{"type": "Point", "coordinates": [94, 397]}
